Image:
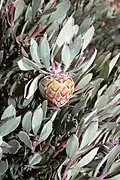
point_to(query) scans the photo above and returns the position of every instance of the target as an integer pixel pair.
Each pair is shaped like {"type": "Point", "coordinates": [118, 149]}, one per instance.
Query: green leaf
{"type": "Point", "coordinates": [26, 122]}
{"type": "Point", "coordinates": [23, 136]}
{"type": "Point", "coordinates": [113, 62]}
{"type": "Point", "coordinates": [3, 167]}
{"type": "Point", "coordinates": [37, 120]}
{"type": "Point", "coordinates": [84, 81]}
{"type": "Point", "coordinates": [35, 159]}
{"type": "Point", "coordinates": [75, 47]}
{"type": "Point", "coordinates": [19, 9]}
{"type": "Point", "coordinates": [65, 36]}
{"type": "Point", "coordinates": [72, 145]}
{"type": "Point", "coordinates": [65, 56]}
{"type": "Point", "coordinates": [46, 131]}
{"type": "Point", "coordinates": [89, 133]}
{"type": "Point", "coordinates": [101, 102]}
{"type": "Point", "coordinates": [62, 9]}
{"type": "Point", "coordinates": [44, 52]}
{"type": "Point", "coordinates": [104, 73]}
{"type": "Point", "coordinates": [33, 87]}
{"type": "Point", "coordinates": [34, 51]}
{"type": "Point", "coordinates": [27, 65]}
{"type": "Point", "coordinates": [10, 125]}
{"type": "Point", "coordinates": [15, 146]}
{"type": "Point", "coordinates": [9, 112]}
{"type": "Point", "coordinates": [87, 37]}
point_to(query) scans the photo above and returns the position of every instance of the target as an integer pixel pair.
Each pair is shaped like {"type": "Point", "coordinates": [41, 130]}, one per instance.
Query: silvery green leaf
{"type": "Point", "coordinates": [1, 140]}
{"type": "Point", "coordinates": [44, 107]}
{"type": "Point", "coordinates": [26, 88]}
{"type": "Point", "coordinates": [78, 107]}
{"type": "Point", "coordinates": [89, 133]}
{"type": "Point", "coordinates": [26, 102]}
{"type": "Point", "coordinates": [54, 115]}
{"type": "Point", "coordinates": [75, 29]}
{"type": "Point", "coordinates": [115, 167]}
{"type": "Point", "coordinates": [37, 119]}
{"type": "Point", "coordinates": [89, 62]}
{"type": "Point", "coordinates": [0, 153]}
{"type": "Point", "coordinates": [44, 52]}
{"type": "Point", "coordinates": [9, 125]}
{"type": "Point", "coordinates": [23, 136]}
{"type": "Point", "coordinates": [33, 86]}
{"type": "Point", "coordinates": [116, 111]}
{"type": "Point", "coordinates": [34, 52]}
{"type": "Point", "coordinates": [26, 65]}
{"type": "Point", "coordinates": [87, 22]}
{"type": "Point", "coordinates": [35, 6]}
{"type": "Point", "coordinates": [111, 90]}
{"type": "Point", "coordinates": [72, 145]}
{"type": "Point", "coordinates": [15, 146]}
{"type": "Point", "coordinates": [46, 131]}
{"type": "Point", "coordinates": [3, 167]}
{"type": "Point", "coordinates": [101, 102]}
{"type": "Point", "coordinates": [114, 100]}
{"type": "Point", "coordinates": [28, 14]}
{"type": "Point", "coordinates": [102, 162]}
{"type": "Point", "coordinates": [5, 145]}
{"type": "Point", "coordinates": [84, 81]}
{"type": "Point", "coordinates": [65, 56]}
{"type": "Point", "coordinates": [113, 62]}
{"type": "Point", "coordinates": [87, 37]}
{"type": "Point", "coordinates": [84, 161]}
{"type": "Point", "coordinates": [100, 92]}
{"type": "Point", "coordinates": [109, 125]}
{"type": "Point", "coordinates": [104, 73]}
{"type": "Point", "coordinates": [75, 47]}
{"type": "Point", "coordinates": [19, 9]}
{"type": "Point", "coordinates": [61, 10]}
{"type": "Point", "coordinates": [9, 112]}
{"type": "Point", "coordinates": [90, 116]}
{"type": "Point", "coordinates": [26, 122]}
{"type": "Point", "coordinates": [88, 157]}
{"type": "Point", "coordinates": [35, 159]}
{"type": "Point", "coordinates": [113, 155]}
{"type": "Point", "coordinates": [65, 36]}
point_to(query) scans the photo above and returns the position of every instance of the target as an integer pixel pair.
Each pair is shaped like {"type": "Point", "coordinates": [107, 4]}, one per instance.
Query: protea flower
{"type": "Point", "coordinates": [57, 87]}
{"type": "Point", "coordinates": [57, 84]}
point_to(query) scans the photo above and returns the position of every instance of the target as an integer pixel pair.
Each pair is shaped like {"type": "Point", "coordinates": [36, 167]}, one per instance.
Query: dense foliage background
{"type": "Point", "coordinates": [79, 141]}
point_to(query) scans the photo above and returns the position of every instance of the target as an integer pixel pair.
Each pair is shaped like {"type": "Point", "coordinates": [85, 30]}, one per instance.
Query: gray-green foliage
{"type": "Point", "coordinates": [80, 140]}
